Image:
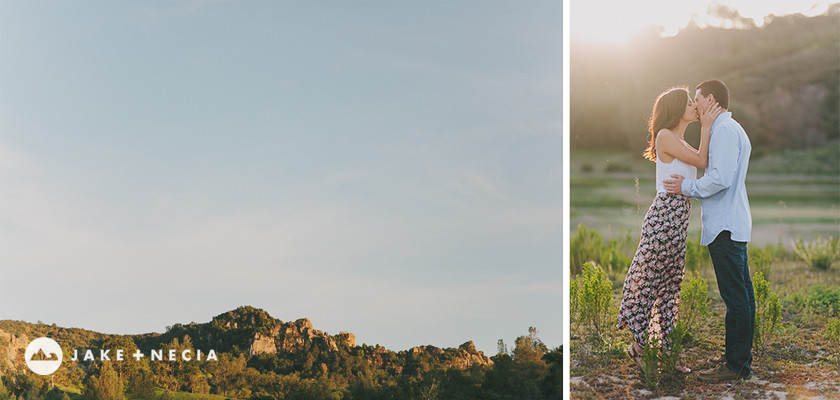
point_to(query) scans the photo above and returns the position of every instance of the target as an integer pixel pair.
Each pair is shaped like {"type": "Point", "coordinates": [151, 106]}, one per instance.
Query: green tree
{"type": "Point", "coordinates": [106, 385]}
{"type": "Point", "coordinates": [56, 394]}
{"type": "Point", "coordinates": [125, 343]}
{"type": "Point", "coordinates": [552, 385]}
{"type": "Point", "coordinates": [528, 356]}
{"type": "Point", "coordinates": [141, 385]}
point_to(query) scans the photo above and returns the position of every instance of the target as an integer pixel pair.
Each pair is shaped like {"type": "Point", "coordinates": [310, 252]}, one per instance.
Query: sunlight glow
{"type": "Point", "coordinates": [615, 22]}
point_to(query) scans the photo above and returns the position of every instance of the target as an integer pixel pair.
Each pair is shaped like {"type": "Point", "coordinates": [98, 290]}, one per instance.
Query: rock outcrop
{"type": "Point", "coordinates": [262, 345]}
{"type": "Point", "coordinates": [255, 333]}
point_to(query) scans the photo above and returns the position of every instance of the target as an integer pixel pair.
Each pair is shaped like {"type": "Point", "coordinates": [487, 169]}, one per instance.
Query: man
{"type": "Point", "coordinates": [727, 225]}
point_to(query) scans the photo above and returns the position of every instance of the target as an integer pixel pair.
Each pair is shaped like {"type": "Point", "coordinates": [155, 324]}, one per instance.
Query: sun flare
{"type": "Point", "coordinates": [618, 23]}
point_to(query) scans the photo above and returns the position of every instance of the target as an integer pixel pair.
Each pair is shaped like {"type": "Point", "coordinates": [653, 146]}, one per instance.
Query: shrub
{"type": "Point", "coordinates": [696, 256]}
{"type": "Point", "coordinates": [694, 300]}
{"type": "Point", "coordinates": [594, 301]}
{"type": "Point", "coordinates": [670, 356]}
{"type": "Point", "coordinates": [760, 259]}
{"type": "Point", "coordinates": [832, 332]}
{"type": "Point", "coordinates": [615, 256]}
{"type": "Point", "coordinates": [618, 167]}
{"type": "Point", "coordinates": [574, 304]}
{"type": "Point", "coordinates": [585, 246]}
{"type": "Point", "coordinates": [768, 312]}
{"type": "Point", "coordinates": [823, 298]}
{"type": "Point", "coordinates": [658, 357]}
{"type": "Point", "coordinates": [820, 253]}
{"type": "Point", "coordinates": [650, 362]}
{"type": "Point", "coordinates": [588, 245]}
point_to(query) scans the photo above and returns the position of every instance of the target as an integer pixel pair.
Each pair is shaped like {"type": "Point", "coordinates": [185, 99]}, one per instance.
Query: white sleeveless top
{"type": "Point", "coordinates": [664, 171]}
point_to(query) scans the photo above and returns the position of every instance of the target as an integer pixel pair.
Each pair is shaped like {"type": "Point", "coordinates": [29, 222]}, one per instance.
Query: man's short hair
{"type": "Point", "coordinates": [716, 88]}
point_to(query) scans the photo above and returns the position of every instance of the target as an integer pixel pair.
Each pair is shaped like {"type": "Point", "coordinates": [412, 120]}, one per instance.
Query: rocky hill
{"type": "Point", "coordinates": [248, 332]}
{"type": "Point", "coordinates": [256, 356]}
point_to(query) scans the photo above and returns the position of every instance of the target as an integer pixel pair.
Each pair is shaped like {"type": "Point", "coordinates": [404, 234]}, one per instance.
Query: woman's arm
{"type": "Point", "coordinates": [669, 143]}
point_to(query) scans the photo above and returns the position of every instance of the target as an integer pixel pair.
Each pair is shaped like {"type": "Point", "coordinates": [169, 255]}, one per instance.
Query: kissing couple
{"type": "Point", "coordinates": [651, 296]}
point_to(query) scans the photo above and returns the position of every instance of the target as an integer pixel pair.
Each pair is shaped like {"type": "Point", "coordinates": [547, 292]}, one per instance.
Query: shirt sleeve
{"type": "Point", "coordinates": [724, 149]}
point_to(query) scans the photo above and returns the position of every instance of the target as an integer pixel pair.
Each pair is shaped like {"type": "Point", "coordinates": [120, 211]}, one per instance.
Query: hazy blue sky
{"type": "Point", "coordinates": [392, 169]}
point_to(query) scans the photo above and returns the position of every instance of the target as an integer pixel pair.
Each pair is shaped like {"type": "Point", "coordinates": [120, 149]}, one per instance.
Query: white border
{"type": "Point", "coordinates": [566, 213]}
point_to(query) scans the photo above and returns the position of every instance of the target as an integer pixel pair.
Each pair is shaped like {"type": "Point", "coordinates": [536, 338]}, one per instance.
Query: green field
{"type": "Point", "coordinates": [792, 194]}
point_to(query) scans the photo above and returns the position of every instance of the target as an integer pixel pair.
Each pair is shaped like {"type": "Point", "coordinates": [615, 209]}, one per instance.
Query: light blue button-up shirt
{"type": "Point", "coordinates": [722, 190]}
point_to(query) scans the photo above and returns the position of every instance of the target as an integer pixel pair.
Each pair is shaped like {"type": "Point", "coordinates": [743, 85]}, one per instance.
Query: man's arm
{"type": "Point", "coordinates": [674, 185]}
{"type": "Point", "coordinates": [724, 149]}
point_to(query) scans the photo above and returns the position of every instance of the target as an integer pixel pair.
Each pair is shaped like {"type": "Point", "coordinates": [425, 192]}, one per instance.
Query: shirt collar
{"type": "Point", "coordinates": [722, 117]}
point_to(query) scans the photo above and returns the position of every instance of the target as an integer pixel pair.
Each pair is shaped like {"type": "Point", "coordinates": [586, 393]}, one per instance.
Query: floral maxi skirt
{"type": "Point", "coordinates": [652, 285]}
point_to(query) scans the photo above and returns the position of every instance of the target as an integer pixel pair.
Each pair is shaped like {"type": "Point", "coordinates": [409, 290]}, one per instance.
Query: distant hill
{"type": "Point", "coordinates": [259, 356]}
{"type": "Point", "coordinates": [245, 331]}
{"type": "Point", "coordinates": [784, 80]}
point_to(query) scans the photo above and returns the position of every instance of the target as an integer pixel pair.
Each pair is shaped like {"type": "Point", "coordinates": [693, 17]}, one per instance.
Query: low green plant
{"type": "Point", "coordinates": [694, 301]}
{"type": "Point", "coordinates": [761, 258]}
{"type": "Point", "coordinates": [696, 256]}
{"type": "Point", "coordinates": [662, 355]}
{"type": "Point", "coordinates": [594, 302]}
{"type": "Point", "coordinates": [670, 354]}
{"type": "Point", "coordinates": [824, 298]}
{"type": "Point", "coordinates": [586, 245]}
{"type": "Point", "coordinates": [617, 255]}
{"type": "Point", "coordinates": [618, 167]}
{"type": "Point", "coordinates": [820, 253]}
{"type": "Point", "coordinates": [832, 332]}
{"type": "Point", "coordinates": [650, 362]}
{"type": "Point", "coordinates": [613, 255]}
{"type": "Point", "coordinates": [574, 304]}
{"type": "Point", "coordinates": [768, 312]}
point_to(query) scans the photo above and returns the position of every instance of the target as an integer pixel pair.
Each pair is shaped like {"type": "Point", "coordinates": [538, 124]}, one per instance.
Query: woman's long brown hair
{"type": "Point", "coordinates": [666, 114]}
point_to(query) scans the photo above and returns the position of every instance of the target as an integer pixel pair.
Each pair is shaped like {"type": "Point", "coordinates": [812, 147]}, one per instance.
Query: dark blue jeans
{"type": "Point", "coordinates": [733, 277]}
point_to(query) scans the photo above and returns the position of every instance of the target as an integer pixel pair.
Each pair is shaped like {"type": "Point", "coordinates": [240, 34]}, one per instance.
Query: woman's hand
{"type": "Point", "coordinates": [708, 116]}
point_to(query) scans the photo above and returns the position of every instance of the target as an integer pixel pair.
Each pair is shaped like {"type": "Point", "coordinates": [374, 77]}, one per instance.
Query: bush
{"type": "Point", "coordinates": [661, 357]}
{"type": "Point", "coordinates": [696, 256]}
{"type": "Point", "coordinates": [670, 356]}
{"type": "Point", "coordinates": [694, 300]}
{"type": "Point", "coordinates": [618, 253]}
{"type": "Point", "coordinates": [594, 295]}
{"type": "Point", "coordinates": [820, 253]}
{"type": "Point", "coordinates": [823, 298]}
{"type": "Point", "coordinates": [650, 362]}
{"type": "Point", "coordinates": [574, 305]}
{"type": "Point", "coordinates": [588, 245]}
{"type": "Point", "coordinates": [832, 332]}
{"type": "Point", "coordinates": [768, 312]}
{"type": "Point", "coordinates": [760, 259]}
{"type": "Point", "coordinates": [585, 246]}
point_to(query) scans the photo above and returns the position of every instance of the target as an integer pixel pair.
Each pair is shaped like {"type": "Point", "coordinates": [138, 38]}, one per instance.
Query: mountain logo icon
{"type": "Point", "coordinates": [43, 356]}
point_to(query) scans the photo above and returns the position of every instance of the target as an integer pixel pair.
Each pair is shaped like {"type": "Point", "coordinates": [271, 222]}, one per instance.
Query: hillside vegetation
{"type": "Point", "coordinates": [260, 357]}
{"type": "Point", "coordinates": [783, 78]}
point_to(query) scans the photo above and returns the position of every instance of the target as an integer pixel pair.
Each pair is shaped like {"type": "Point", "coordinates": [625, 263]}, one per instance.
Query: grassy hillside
{"type": "Point", "coordinates": [784, 80]}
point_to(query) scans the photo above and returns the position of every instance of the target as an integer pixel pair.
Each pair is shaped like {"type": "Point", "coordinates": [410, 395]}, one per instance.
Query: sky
{"type": "Point", "coordinates": [619, 22]}
{"type": "Point", "coordinates": [390, 169]}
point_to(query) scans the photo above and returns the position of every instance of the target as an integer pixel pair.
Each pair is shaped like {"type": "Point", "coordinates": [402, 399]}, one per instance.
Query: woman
{"type": "Point", "coordinates": [652, 286]}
